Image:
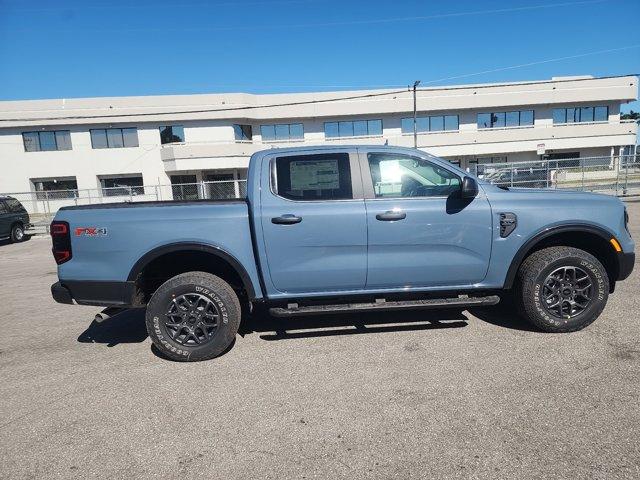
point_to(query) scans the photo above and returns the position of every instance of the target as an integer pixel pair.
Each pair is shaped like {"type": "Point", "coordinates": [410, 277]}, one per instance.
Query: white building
{"type": "Point", "coordinates": [96, 143]}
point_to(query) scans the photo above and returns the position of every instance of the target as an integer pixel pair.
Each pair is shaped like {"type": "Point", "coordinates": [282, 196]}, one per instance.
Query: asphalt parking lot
{"type": "Point", "coordinates": [421, 395]}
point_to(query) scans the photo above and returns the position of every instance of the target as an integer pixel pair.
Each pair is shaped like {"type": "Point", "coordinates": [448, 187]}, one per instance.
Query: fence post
{"type": "Point", "coordinates": [547, 175]}
{"type": "Point", "coordinates": [46, 194]}
{"type": "Point", "coordinates": [626, 175]}
{"type": "Point", "coordinates": [511, 170]}
{"type": "Point", "coordinates": [202, 196]}
{"type": "Point", "coordinates": [236, 188]}
{"type": "Point", "coordinates": [582, 168]}
{"type": "Point", "coordinates": [616, 162]}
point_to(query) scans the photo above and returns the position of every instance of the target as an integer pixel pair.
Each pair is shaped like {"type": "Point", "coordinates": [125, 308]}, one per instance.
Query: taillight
{"type": "Point", "coordinates": [61, 240]}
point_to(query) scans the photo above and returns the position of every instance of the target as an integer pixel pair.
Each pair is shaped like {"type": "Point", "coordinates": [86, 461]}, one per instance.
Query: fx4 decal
{"type": "Point", "coordinates": [90, 232]}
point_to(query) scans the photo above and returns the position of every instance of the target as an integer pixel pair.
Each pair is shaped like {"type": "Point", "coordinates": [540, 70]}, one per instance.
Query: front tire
{"type": "Point", "coordinates": [17, 233]}
{"type": "Point", "coordinates": [193, 316]}
{"type": "Point", "coordinates": [562, 289]}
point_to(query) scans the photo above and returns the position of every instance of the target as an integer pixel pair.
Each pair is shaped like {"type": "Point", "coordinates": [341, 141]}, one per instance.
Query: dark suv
{"type": "Point", "coordinates": [14, 220]}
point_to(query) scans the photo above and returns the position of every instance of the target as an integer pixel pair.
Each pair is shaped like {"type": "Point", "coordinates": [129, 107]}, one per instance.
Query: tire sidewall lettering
{"type": "Point", "coordinates": [537, 288]}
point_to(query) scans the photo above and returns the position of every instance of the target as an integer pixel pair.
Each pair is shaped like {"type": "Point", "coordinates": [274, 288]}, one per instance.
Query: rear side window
{"type": "Point", "coordinates": [3, 208]}
{"type": "Point", "coordinates": [313, 177]}
{"type": "Point", "coordinates": [14, 205]}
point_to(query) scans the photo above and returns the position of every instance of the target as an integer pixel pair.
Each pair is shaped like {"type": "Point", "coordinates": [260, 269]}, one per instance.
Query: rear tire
{"type": "Point", "coordinates": [17, 233]}
{"type": "Point", "coordinates": [561, 289]}
{"type": "Point", "coordinates": [193, 316]}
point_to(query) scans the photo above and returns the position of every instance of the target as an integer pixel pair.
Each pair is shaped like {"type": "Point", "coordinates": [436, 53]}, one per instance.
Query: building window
{"type": "Point", "coordinates": [580, 114]}
{"type": "Point", "coordinates": [122, 186]}
{"type": "Point", "coordinates": [46, 141]}
{"type": "Point", "coordinates": [516, 118]}
{"type": "Point", "coordinates": [172, 134]}
{"type": "Point", "coordinates": [282, 132]}
{"type": "Point", "coordinates": [184, 187]}
{"type": "Point", "coordinates": [55, 188]}
{"type": "Point", "coordinates": [434, 123]}
{"type": "Point", "coordinates": [356, 128]}
{"type": "Point", "coordinates": [114, 137]}
{"type": "Point", "coordinates": [243, 133]}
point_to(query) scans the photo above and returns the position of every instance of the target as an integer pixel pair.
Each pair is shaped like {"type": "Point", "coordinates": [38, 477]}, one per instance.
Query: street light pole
{"type": "Point", "coordinates": [415, 122]}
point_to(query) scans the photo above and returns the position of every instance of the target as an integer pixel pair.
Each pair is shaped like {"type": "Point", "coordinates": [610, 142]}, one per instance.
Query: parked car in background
{"type": "Point", "coordinates": [531, 176]}
{"type": "Point", "coordinates": [14, 220]}
{"type": "Point", "coordinates": [343, 229]}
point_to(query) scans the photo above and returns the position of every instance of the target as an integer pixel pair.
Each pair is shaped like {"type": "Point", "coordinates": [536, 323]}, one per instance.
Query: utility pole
{"type": "Point", "coordinates": [415, 120]}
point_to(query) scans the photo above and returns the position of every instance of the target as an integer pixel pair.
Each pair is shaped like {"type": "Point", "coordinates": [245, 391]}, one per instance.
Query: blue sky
{"type": "Point", "coordinates": [142, 47]}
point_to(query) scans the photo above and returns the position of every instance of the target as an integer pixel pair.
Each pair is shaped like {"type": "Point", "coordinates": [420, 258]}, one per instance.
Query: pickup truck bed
{"type": "Point", "coordinates": [131, 235]}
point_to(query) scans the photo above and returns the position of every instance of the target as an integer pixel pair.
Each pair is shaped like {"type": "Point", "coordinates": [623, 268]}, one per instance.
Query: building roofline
{"type": "Point", "coordinates": [225, 106]}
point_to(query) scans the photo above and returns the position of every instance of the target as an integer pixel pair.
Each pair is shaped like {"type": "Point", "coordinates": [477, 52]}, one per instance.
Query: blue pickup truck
{"type": "Point", "coordinates": [343, 229]}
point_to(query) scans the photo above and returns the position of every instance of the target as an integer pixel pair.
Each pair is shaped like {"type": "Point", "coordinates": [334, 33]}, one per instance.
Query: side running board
{"type": "Point", "coordinates": [294, 310]}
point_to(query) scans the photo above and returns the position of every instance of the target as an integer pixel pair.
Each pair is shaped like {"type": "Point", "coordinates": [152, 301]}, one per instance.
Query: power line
{"type": "Point", "coordinates": [209, 110]}
{"type": "Point", "coordinates": [530, 64]}
{"type": "Point", "coordinates": [336, 99]}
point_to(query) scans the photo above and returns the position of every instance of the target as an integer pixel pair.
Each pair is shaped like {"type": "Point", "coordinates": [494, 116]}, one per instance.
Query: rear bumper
{"type": "Point", "coordinates": [103, 294]}
{"type": "Point", "coordinates": [626, 261]}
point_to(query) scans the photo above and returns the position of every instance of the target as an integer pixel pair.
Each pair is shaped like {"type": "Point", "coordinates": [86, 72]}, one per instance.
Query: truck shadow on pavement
{"type": "Point", "coordinates": [128, 326]}
{"type": "Point", "coordinates": [125, 327]}
{"type": "Point", "coordinates": [272, 328]}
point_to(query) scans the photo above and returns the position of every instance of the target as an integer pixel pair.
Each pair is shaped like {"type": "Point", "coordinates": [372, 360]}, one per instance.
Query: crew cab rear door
{"type": "Point", "coordinates": [421, 233]}
{"type": "Point", "coordinates": [6, 218]}
{"type": "Point", "coordinates": [313, 221]}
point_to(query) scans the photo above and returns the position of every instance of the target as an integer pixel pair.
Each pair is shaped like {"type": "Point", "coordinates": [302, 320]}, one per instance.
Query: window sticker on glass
{"type": "Point", "coordinates": [323, 174]}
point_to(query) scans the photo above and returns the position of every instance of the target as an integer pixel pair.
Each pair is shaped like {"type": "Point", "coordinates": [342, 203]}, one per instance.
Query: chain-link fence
{"type": "Point", "coordinates": [43, 205]}
{"type": "Point", "coordinates": [617, 175]}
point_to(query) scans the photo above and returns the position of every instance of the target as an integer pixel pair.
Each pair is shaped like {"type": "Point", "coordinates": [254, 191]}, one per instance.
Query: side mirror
{"type": "Point", "coordinates": [469, 188]}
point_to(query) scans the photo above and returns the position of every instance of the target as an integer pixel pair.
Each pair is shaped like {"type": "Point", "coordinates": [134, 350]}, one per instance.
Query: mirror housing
{"type": "Point", "coordinates": [469, 188]}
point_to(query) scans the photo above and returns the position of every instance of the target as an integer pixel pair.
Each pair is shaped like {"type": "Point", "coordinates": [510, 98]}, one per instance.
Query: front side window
{"type": "Point", "coordinates": [242, 133]}
{"type": "Point", "coordinates": [353, 128]}
{"type": "Point", "coordinates": [395, 175]}
{"type": "Point", "coordinates": [46, 141]}
{"type": "Point", "coordinates": [313, 177]}
{"type": "Point", "coordinates": [114, 137]}
{"type": "Point", "coordinates": [282, 132]}
{"type": "Point", "coordinates": [172, 134]}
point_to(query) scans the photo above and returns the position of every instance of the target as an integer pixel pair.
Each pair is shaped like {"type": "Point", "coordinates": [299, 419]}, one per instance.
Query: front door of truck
{"type": "Point", "coordinates": [421, 233]}
{"type": "Point", "coordinates": [313, 222]}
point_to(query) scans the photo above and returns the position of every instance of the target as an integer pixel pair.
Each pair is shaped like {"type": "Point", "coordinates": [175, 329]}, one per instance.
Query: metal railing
{"type": "Point", "coordinates": [43, 205]}
{"type": "Point", "coordinates": [614, 175]}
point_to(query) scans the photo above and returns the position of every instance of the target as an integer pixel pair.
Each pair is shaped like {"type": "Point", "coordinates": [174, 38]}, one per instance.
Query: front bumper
{"type": "Point", "coordinates": [626, 262]}
{"type": "Point", "coordinates": [102, 294]}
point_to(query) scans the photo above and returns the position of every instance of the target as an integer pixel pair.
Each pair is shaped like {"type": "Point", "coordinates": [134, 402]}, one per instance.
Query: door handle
{"type": "Point", "coordinates": [391, 216]}
{"type": "Point", "coordinates": [286, 219]}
